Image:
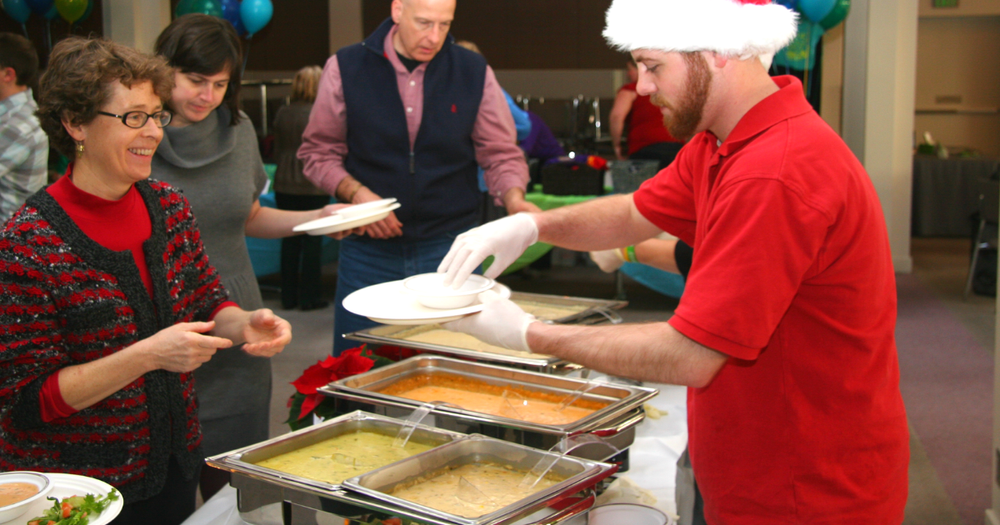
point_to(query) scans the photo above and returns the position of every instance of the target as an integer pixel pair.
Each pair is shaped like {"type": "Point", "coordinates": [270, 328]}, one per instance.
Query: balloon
{"type": "Point", "coordinates": [72, 10]}
{"type": "Point", "coordinates": [801, 52]}
{"type": "Point", "coordinates": [837, 14]}
{"type": "Point", "coordinates": [183, 8]}
{"type": "Point", "coordinates": [40, 7]}
{"type": "Point", "coordinates": [255, 14]}
{"type": "Point", "coordinates": [17, 9]}
{"type": "Point", "coordinates": [816, 10]}
{"type": "Point", "coordinates": [231, 12]}
{"type": "Point", "coordinates": [52, 14]}
{"type": "Point", "coordinates": [86, 14]}
{"type": "Point", "coordinates": [208, 7]}
{"type": "Point", "coordinates": [790, 4]}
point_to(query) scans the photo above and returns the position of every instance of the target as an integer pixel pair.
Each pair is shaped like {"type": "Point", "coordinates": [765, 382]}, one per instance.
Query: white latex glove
{"type": "Point", "coordinates": [505, 239]}
{"type": "Point", "coordinates": [608, 260]}
{"type": "Point", "coordinates": [500, 323]}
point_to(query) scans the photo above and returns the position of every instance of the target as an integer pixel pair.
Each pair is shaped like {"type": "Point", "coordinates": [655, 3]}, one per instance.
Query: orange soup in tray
{"type": "Point", "coordinates": [499, 400]}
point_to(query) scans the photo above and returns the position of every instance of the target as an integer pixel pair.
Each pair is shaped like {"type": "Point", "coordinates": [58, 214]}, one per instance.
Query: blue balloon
{"type": "Point", "coordinates": [40, 7]}
{"type": "Point", "coordinates": [255, 14]}
{"type": "Point", "coordinates": [790, 4]}
{"type": "Point", "coordinates": [816, 10]}
{"type": "Point", "coordinates": [17, 9]}
{"type": "Point", "coordinates": [231, 12]}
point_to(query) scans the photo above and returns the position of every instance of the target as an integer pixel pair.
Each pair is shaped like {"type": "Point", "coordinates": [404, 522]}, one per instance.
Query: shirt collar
{"type": "Point", "coordinates": [17, 100]}
{"type": "Point", "coordinates": [788, 102]}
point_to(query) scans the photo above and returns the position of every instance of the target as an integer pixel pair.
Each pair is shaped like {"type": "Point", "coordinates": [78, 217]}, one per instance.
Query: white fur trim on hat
{"type": "Point", "coordinates": [729, 27]}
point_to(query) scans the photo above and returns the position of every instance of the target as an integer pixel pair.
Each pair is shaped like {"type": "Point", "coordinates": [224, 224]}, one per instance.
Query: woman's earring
{"type": "Point", "coordinates": [79, 149]}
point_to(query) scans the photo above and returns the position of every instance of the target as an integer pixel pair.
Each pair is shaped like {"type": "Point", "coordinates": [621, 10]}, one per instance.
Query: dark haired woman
{"type": "Point", "coordinates": [210, 152]}
{"type": "Point", "coordinates": [109, 299]}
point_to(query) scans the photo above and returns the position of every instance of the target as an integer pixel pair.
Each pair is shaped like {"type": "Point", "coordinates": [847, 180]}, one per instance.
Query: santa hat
{"type": "Point", "coordinates": [736, 28]}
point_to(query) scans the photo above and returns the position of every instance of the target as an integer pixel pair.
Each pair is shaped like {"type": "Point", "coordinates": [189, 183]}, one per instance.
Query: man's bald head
{"type": "Point", "coordinates": [423, 27]}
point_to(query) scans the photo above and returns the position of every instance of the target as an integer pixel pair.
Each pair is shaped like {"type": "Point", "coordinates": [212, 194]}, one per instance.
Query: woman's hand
{"type": "Point", "coordinates": [265, 333]}
{"type": "Point", "coordinates": [183, 347]}
{"type": "Point", "coordinates": [330, 209]}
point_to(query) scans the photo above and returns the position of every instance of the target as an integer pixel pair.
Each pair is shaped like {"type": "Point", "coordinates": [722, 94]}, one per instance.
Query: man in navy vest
{"type": "Point", "coordinates": [408, 114]}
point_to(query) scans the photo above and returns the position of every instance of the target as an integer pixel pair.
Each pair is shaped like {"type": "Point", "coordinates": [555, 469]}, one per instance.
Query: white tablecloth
{"type": "Point", "coordinates": [652, 463]}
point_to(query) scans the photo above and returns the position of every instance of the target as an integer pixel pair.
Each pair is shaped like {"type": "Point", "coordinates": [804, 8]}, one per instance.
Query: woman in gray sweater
{"type": "Point", "coordinates": [210, 151]}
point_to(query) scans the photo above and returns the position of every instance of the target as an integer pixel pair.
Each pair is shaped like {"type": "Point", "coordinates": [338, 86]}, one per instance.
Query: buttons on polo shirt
{"type": "Point", "coordinates": [409, 110]}
{"type": "Point", "coordinates": [413, 83]}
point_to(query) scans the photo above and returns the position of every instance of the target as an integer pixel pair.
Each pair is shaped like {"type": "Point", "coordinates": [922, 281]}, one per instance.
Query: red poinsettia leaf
{"type": "Point", "coordinates": [314, 377]}
{"type": "Point", "coordinates": [395, 353]}
{"type": "Point", "coordinates": [351, 364]}
{"type": "Point", "coordinates": [309, 403]}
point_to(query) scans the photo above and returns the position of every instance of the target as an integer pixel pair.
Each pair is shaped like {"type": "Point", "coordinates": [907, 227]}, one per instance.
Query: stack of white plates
{"type": "Point", "coordinates": [349, 217]}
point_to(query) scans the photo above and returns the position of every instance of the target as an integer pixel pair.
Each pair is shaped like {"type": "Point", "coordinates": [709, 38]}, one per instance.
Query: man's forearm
{"type": "Point", "coordinates": [598, 224]}
{"type": "Point", "coordinates": [648, 352]}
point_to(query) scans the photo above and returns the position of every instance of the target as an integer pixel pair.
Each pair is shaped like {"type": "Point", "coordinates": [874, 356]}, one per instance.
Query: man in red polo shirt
{"type": "Point", "coordinates": [785, 330]}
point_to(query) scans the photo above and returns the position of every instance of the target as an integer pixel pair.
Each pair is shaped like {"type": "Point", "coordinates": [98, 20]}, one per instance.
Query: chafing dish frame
{"type": "Point", "coordinates": [597, 311]}
{"type": "Point", "coordinates": [579, 475]}
{"type": "Point", "coordinates": [615, 423]}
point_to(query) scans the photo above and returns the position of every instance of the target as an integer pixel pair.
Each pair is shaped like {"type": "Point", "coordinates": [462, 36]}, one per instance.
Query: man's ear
{"type": "Point", "coordinates": [717, 60]}
{"type": "Point", "coordinates": [397, 10]}
{"type": "Point", "coordinates": [8, 76]}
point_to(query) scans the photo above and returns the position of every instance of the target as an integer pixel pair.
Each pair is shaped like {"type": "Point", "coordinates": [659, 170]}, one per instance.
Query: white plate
{"type": "Point", "coordinates": [357, 210]}
{"type": "Point", "coordinates": [66, 485]}
{"type": "Point", "coordinates": [336, 222]}
{"type": "Point", "coordinates": [390, 303]}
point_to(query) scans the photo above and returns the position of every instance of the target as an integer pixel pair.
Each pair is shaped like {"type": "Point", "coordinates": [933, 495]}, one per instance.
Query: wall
{"type": "Point", "coordinates": [958, 79]}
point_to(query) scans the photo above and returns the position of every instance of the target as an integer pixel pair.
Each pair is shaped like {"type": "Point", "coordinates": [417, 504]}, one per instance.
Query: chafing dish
{"type": "Point", "coordinates": [576, 475]}
{"type": "Point", "coordinates": [614, 424]}
{"type": "Point", "coordinates": [545, 307]}
{"type": "Point", "coordinates": [246, 459]}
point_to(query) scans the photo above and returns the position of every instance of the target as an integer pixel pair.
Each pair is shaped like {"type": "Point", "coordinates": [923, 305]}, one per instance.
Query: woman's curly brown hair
{"type": "Point", "coordinates": [78, 83]}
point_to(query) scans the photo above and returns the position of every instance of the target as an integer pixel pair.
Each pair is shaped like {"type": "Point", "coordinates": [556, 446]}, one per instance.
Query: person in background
{"type": "Point", "coordinates": [521, 122]}
{"type": "Point", "coordinates": [648, 138]}
{"type": "Point", "coordinates": [670, 255]}
{"type": "Point", "coordinates": [410, 115]}
{"type": "Point", "coordinates": [24, 147]}
{"type": "Point", "coordinates": [785, 334]}
{"type": "Point", "coordinates": [210, 152]}
{"type": "Point", "coordinates": [111, 301]}
{"type": "Point", "coordinates": [301, 264]}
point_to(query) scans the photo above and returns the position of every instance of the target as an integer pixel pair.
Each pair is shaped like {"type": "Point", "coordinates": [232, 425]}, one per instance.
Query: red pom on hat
{"type": "Point", "coordinates": [736, 28]}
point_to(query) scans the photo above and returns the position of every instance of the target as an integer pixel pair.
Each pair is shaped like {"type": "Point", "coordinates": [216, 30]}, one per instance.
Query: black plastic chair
{"type": "Point", "coordinates": [989, 210]}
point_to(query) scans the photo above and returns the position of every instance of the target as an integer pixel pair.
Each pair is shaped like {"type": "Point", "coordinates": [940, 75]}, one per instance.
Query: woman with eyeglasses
{"type": "Point", "coordinates": [110, 301]}
{"type": "Point", "coordinates": [210, 151]}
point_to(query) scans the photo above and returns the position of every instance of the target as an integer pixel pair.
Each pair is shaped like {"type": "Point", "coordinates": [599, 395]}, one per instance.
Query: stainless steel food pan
{"type": "Point", "coordinates": [246, 459]}
{"type": "Point", "coordinates": [576, 474]}
{"type": "Point", "coordinates": [615, 423]}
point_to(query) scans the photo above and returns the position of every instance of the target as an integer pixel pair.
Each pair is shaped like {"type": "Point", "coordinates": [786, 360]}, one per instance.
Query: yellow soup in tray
{"type": "Point", "coordinates": [343, 457]}
{"type": "Point", "coordinates": [505, 401]}
{"type": "Point", "coordinates": [471, 490]}
{"type": "Point", "coordinates": [11, 493]}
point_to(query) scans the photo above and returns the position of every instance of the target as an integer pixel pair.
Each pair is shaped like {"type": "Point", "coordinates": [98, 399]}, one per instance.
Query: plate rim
{"type": "Point", "coordinates": [500, 288]}
{"type": "Point", "coordinates": [301, 228]}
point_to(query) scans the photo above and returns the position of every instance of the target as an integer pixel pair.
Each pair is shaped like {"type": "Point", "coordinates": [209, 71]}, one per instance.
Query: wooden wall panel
{"type": "Point", "coordinates": [527, 34]}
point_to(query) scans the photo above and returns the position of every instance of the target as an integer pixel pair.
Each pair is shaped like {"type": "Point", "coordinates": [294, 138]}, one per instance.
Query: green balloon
{"type": "Point", "coordinates": [183, 8]}
{"type": "Point", "coordinates": [72, 10]}
{"type": "Point", "coordinates": [836, 15]}
{"type": "Point", "coordinates": [208, 7]}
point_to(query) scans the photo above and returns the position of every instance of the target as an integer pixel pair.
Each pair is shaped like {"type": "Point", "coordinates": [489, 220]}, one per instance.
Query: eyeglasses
{"type": "Point", "coordinates": [138, 119]}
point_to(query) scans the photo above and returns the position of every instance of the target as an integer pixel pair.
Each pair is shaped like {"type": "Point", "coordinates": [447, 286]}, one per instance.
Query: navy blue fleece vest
{"type": "Point", "coordinates": [436, 183]}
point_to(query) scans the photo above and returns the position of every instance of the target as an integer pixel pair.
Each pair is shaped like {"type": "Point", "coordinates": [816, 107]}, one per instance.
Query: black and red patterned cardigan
{"type": "Point", "coordinates": [67, 300]}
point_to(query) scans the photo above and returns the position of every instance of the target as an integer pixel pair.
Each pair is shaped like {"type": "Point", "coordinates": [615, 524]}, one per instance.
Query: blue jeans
{"type": "Point", "coordinates": [365, 262]}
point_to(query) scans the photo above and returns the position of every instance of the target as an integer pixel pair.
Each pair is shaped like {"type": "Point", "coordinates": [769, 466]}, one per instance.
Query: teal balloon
{"type": "Point", "coordinates": [86, 14]}
{"type": "Point", "coordinates": [182, 8]}
{"type": "Point", "coordinates": [208, 7]}
{"type": "Point", "coordinates": [816, 10]}
{"type": "Point", "coordinates": [52, 14]}
{"type": "Point", "coordinates": [17, 9]}
{"type": "Point", "coordinates": [255, 14]}
{"type": "Point", "coordinates": [837, 15]}
{"type": "Point", "coordinates": [801, 52]}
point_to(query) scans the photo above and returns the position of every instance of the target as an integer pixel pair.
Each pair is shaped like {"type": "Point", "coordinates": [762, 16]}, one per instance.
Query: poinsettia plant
{"type": "Point", "coordinates": [306, 401]}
